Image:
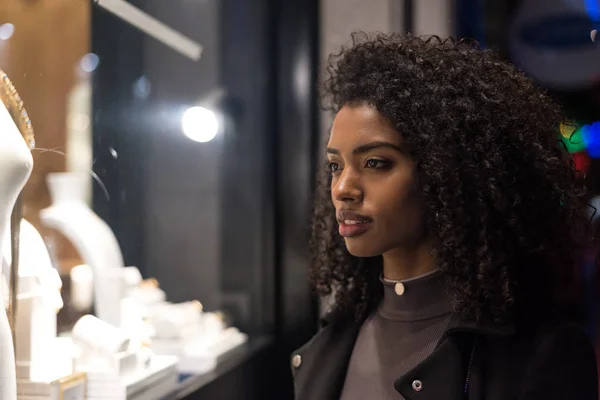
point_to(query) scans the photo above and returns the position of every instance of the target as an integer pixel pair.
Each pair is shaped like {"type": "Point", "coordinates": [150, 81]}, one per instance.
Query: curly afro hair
{"type": "Point", "coordinates": [503, 202]}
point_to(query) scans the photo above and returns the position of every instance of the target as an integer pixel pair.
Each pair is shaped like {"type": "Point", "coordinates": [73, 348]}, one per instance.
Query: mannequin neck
{"type": "Point", "coordinates": [67, 188]}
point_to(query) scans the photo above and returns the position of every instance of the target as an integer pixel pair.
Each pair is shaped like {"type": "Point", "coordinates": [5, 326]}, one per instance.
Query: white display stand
{"type": "Point", "coordinates": [122, 299]}
{"type": "Point", "coordinates": [118, 367]}
{"type": "Point", "coordinates": [201, 355]}
{"type": "Point", "coordinates": [200, 339]}
{"type": "Point", "coordinates": [92, 238]}
{"type": "Point", "coordinates": [42, 359]}
{"type": "Point", "coordinates": [82, 289]}
{"type": "Point", "coordinates": [16, 164]}
{"type": "Point", "coordinates": [107, 348]}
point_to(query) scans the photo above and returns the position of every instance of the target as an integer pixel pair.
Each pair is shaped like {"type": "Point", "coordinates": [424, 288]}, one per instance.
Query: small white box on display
{"type": "Point", "coordinates": [119, 364]}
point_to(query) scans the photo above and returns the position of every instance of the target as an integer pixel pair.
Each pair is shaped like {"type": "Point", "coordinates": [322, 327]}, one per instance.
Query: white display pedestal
{"type": "Point", "coordinates": [199, 356]}
{"type": "Point", "coordinates": [199, 339]}
{"type": "Point", "coordinates": [117, 298]}
{"type": "Point", "coordinates": [153, 381]}
{"type": "Point", "coordinates": [92, 238]}
{"type": "Point", "coordinates": [120, 368]}
{"type": "Point", "coordinates": [43, 361]}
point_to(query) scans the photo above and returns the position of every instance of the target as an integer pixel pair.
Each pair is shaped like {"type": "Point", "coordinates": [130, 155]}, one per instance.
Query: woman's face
{"type": "Point", "coordinates": [374, 187]}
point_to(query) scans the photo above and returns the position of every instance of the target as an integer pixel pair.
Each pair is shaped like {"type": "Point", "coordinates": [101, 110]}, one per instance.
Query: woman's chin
{"type": "Point", "coordinates": [359, 248]}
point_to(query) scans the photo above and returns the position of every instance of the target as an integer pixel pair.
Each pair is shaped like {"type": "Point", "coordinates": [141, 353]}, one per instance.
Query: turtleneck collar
{"type": "Point", "coordinates": [415, 299]}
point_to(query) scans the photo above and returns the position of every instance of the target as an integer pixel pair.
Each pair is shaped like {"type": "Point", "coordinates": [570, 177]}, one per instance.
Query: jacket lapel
{"type": "Point", "coordinates": [442, 375]}
{"type": "Point", "coordinates": [324, 361]}
{"type": "Point", "coordinates": [448, 372]}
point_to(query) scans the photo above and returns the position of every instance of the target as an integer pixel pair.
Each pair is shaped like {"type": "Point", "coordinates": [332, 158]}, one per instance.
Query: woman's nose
{"type": "Point", "coordinates": [347, 187]}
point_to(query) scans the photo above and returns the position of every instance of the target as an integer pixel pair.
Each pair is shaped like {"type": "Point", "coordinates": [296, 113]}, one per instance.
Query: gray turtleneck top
{"type": "Point", "coordinates": [398, 336]}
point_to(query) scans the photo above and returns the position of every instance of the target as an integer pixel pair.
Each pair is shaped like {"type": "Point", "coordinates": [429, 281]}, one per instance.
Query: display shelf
{"type": "Point", "coordinates": [196, 359]}
{"type": "Point", "coordinates": [161, 374]}
{"type": "Point", "coordinates": [193, 386]}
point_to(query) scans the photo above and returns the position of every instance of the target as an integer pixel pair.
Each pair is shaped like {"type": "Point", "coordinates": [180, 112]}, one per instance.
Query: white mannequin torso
{"type": "Point", "coordinates": [16, 164]}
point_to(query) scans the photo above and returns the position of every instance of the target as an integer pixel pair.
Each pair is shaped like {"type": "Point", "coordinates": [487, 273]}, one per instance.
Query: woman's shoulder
{"type": "Point", "coordinates": [560, 361]}
{"type": "Point", "coordinates": [550, 338]}
{"type": "Point", "coordinates": [558, 333]}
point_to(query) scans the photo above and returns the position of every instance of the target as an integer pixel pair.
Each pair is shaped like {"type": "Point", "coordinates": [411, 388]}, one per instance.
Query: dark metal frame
{"type": "Point", "coordinates": [408, 16]}
{"type": "Point", "coordinates": [298, 132]}
{"type": "Point", "coordinates": [277, 46]}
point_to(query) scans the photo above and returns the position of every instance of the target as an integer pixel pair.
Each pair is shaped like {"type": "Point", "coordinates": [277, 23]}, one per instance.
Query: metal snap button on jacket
{"type": "Point", "coordinates": [296, 361]}
{"type": "Point", "coordinates": [417, 385]}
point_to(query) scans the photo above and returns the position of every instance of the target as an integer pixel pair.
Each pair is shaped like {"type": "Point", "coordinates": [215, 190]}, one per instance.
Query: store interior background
{"type": "Point", "coordinates": [225, 222]}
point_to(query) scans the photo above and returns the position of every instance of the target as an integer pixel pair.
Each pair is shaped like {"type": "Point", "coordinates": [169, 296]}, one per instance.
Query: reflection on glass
{"type": "Point", "coordinates": [89, 62]}
{"type": "Point", "coordinates": [6, 31]}
{"type": "Point", "coordinates": [199, 124]}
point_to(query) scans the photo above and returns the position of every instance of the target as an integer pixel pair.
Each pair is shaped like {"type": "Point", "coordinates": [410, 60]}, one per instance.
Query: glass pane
{"type": "Point", "coordinates": [150, 195]}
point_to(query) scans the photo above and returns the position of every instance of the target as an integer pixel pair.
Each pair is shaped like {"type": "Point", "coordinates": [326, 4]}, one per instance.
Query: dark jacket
{"type": "Point", "coordinates": [471, 361]}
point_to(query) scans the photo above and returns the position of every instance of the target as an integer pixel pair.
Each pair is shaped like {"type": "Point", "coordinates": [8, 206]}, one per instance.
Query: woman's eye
{"type": "Point", "coordinates": [333, 167]}
{"type": "Point", "coordinates": [377, 164]}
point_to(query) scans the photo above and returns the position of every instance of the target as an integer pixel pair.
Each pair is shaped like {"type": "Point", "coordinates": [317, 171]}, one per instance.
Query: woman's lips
{"type": "Point", "coordinates": [353, 228]}
{"type": "Point", "coordinates": [351, 223]}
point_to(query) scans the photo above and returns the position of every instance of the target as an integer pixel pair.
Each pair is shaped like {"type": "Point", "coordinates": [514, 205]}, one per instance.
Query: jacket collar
{"type": "Point", "coordinates": [457, 324]}
{"type": "Point", "coordinates": [324, 359]}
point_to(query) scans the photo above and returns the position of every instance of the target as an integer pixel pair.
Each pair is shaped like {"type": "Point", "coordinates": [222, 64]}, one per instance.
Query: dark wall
{"type": "Point", "coordinates": [247, 192]}
{"type": "Point", "coordinates": [182, 178]}
{"type": "Point", "coordinates": [485, 21]}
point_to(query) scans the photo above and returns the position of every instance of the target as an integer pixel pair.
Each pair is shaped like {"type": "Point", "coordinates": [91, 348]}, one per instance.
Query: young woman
{"type": "Point", "coordinates": [445, 234]}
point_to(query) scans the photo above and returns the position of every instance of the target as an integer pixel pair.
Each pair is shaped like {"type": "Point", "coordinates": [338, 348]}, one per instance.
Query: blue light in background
{"type": "Point", "coordinates": [592, 7]}
{"type": "Point", "coordinates": [591, 136]}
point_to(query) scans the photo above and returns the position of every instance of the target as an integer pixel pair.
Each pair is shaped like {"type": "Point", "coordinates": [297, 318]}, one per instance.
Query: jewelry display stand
{"type": "Point", "coordinates": [119, 367]}
{"type": "Point", "coordinates": [200, 339]}
{"type": "Point", "coordinates": [92, 238]}
{"type": "Point", "coordinates": [121, 371]}
{"type": "Point", "coordinates": [111, 364]}
{"type": "Point", "coordinates": [43, 360]}
{"type": "Point", "coordinates": [38, 355]}
{"type": "Point", "coordinates": [81, 291]}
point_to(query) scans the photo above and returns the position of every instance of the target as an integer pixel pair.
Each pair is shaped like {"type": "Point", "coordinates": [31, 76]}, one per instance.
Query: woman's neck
{"type": "Point", "coordinates": [408, 262]}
